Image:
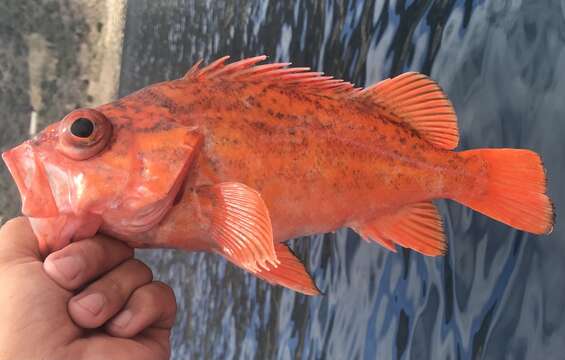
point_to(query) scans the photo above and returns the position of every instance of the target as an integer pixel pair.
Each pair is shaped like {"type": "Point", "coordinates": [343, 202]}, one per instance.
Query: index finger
{"type": "Point", "coordinates": [80, 262]}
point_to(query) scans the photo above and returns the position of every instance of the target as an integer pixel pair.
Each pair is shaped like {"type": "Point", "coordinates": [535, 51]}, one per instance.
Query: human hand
{"type": "Point", "coordinates": [90, 300]}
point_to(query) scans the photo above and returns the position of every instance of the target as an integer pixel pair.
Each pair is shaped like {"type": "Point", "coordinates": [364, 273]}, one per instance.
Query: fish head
{"type": "Point", "coordinates": [100, 169]}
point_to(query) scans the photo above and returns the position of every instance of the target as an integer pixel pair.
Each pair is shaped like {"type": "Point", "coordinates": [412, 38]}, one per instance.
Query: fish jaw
{"type": "Point", "coordinates": [120, 193]}
{"type": "Point", "coordinates": [31, 180]}
{"type": "Point", "coordinates": [54, 229]}
{"type": "Point", "coordinates": [54, 233]}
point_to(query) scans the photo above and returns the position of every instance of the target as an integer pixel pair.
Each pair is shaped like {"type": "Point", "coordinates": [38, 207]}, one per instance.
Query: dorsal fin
{"type": "Point", "coordinates": [414, 99]}
{"type": "Point", "coordinates": [410, 98]}
{"type": "Point", "coordinates": [276, 73]}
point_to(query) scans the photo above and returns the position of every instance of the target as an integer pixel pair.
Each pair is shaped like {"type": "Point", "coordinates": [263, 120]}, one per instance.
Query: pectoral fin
{"type": "Point", "coordinates": [241, 231]}
{"type": "Point", "coordinates": [241, 227]}
{"type": "Point", "coordinates": [290, 273]}
{"type": "Point", "coordinates": [415, 226]}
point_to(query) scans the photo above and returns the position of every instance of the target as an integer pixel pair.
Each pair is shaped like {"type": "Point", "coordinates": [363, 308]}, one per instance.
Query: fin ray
{"type": "Point", "coordinates": [275, 74]}
{"type": "Point", "coordinates": [241, 226]}
{"type": "Point", "coordinates": [513, 189]}
{"type": "Point", "coordinates": [415, 226]}
{"type": "Point", "coordinates": [410, 98]}
{"type": "Point", "coordinates": [419, 102]}
{"type": "Point", "coordinates": [290, 273]}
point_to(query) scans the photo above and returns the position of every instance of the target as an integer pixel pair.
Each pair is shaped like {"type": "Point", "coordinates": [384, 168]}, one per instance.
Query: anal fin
{"type": "Point", "coordinates": [416, 226]}
{"type": "Point", "coordinates": [290, 273]}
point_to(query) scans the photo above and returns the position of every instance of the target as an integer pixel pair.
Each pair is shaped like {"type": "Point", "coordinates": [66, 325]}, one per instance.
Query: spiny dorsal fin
{"type": "Point", "coordinates": [276, 73]}
{"type": "Point", "coordinates": [418, 101]}
{"type": "Point", "coordinates": [415, 226]}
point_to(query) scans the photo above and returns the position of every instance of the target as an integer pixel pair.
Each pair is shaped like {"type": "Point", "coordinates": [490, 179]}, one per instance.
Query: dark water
{"type": "Point", "coordinates": [498, 294]}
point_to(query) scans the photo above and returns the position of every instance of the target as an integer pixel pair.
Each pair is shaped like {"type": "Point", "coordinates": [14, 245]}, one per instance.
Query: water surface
{"type": "Point", "coordinates": [498, 294]}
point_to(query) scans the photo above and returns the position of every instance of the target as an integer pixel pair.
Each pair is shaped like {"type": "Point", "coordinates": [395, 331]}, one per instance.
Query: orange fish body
{"type": "Point", "coordinates": [239, 158]}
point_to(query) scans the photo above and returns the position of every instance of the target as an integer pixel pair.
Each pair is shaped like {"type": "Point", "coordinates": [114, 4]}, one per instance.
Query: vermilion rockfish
{"type": "Point", "coordinates": [238, 158]}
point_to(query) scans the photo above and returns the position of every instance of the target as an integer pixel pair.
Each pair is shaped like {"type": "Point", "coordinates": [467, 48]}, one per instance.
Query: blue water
{"type": "Point", "coordinates": [497, 294]}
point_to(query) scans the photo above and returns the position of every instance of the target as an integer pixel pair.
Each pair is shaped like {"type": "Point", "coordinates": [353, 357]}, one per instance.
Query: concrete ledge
{"type": "Point", "coordinates": [54, 57]}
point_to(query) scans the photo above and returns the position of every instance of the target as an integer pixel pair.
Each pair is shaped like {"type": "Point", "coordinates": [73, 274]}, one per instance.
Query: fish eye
{"type": "Point", "coordinates": [82, 127]}
{"type": "Point", "coordinates": [83, 134]}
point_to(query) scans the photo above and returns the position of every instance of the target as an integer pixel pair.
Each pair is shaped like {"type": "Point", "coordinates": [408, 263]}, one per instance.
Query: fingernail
{"type": "Point", "coordinates": [69, 266]}
{"type": "Point", "coordinates": [123, 319]}
{"type": "Point", "coordinates": [92, 303]}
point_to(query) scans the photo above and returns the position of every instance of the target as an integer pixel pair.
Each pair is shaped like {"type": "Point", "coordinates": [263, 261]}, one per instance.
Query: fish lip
{"type": "Point", "coordinates": [37, 196]}
{"type": "Point", "coordinates": [9, 158]}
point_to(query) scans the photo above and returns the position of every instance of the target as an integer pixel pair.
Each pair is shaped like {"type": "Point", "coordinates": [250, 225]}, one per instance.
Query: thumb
{"type": "Point", "coordinates": [17, 241]}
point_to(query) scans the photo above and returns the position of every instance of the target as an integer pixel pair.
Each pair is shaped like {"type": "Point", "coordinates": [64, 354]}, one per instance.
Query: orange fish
{"type": "Point", "coordinates": [237, 158]}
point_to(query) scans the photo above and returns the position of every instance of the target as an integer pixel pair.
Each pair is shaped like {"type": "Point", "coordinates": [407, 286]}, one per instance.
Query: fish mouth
{"type": "Point", "coordinates": [31, 180]}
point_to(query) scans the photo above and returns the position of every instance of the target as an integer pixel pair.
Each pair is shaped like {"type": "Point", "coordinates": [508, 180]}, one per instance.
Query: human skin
{"type": "Point", "coordinates": [90, 300]}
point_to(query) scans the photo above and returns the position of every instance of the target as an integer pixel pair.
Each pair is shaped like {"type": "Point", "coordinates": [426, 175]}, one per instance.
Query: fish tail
{"type": "Point", "coordinates": [508, 185]}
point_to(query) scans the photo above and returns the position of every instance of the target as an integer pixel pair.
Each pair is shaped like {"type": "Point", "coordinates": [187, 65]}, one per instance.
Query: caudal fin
{"type": "Point", "coordinates": [513, 190]}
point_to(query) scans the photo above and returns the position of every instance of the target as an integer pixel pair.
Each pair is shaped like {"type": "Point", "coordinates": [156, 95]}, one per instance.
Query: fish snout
{"type": "Point", "coordinates": [31, 180]}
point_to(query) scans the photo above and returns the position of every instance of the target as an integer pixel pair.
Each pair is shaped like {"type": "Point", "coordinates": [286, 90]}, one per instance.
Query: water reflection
{"type": "Point", "coordinates": [497, 294]}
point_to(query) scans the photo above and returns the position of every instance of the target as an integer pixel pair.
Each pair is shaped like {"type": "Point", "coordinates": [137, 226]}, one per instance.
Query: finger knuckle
{"type": "Point", "coordinates": [79, 249]}
{"type": "Point", "coordinates": [166, 292]}
{"type": "Point", "coordinates": [141, 269]}
{"type": "Point", "coordinates": [114, 287]}
{"type": "Point", "coordinates": [162, 287]}
{"type": "Point", "coordinates": [113, 246]}
{"type": "Point", "coordinates": [89, 252]}
{"type": "Point", "coordinates": [98, 255]}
